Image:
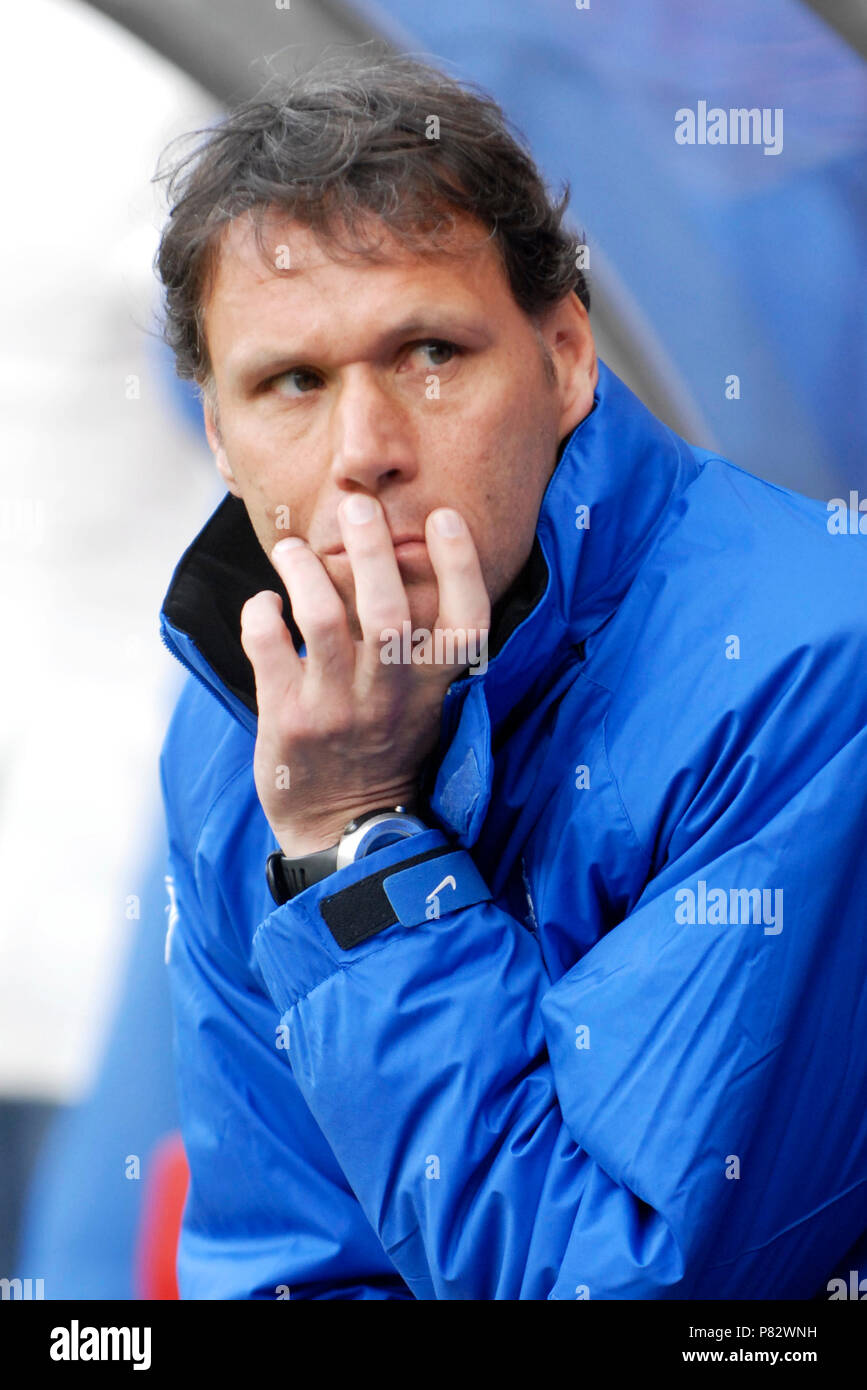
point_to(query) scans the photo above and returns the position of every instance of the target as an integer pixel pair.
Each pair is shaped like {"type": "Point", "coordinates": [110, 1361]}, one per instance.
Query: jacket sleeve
{"type": "Point", "coordinates": [678, 1116]}
{"type": "Point", "coordinates": [269, 1213]}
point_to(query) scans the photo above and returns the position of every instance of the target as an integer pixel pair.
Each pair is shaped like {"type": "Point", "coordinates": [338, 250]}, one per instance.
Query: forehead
{"type": "Point", "coordinates": [292, 271]}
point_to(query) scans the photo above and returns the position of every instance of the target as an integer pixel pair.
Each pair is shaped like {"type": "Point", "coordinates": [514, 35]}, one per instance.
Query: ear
{"type": "Point", "coordinates": [217, 447]}
{"type": "Point", "coordinates": [569, 338]}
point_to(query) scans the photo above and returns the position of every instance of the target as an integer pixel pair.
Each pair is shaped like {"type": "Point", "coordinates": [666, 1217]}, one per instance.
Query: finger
{"type": "Point", "coordinates": [318, 611]}
{"type": "Point", "coordinates": [380, 596]}
{"type": "Point", "coordinates": [464, 602]}
{"type": "Point", "coordinates": [269, 648]}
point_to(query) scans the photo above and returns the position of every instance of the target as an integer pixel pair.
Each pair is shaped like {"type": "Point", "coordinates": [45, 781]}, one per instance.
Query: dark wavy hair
{"type": "Point", "coordinates": [355, 135]}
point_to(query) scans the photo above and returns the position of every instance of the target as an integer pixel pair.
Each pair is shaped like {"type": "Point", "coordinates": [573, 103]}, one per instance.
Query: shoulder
{"type": "Point", "coordinates": [735, 664]}
{"type": "Point", "coordinates": [772, 552]}
{"type": "Point", "coordinates": [742, 578]}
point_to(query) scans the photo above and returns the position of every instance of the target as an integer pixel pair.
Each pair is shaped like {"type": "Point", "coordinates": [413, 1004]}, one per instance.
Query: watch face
{"type": "Point", "coordinates": [380, 838]}
{"type": "Point", "coordinates": [379, 830]}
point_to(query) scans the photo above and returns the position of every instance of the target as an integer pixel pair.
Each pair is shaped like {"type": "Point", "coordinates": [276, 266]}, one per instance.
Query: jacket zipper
{"type": "Point", "coordinates": [169, 646]}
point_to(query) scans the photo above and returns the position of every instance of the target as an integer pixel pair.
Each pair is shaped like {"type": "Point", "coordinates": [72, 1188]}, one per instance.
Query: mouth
{"type": "Point", "coordinates": [409, 546]}
{"type": "Point", "coordinates": [404, 547]}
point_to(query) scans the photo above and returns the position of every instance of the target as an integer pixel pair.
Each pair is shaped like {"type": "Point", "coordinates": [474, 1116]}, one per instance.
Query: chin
{"type": "Point", "coordinates": [423, 604]}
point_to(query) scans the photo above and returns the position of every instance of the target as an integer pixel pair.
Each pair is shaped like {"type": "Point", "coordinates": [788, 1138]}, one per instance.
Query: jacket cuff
{"type": "Point", "coordinates": [360, 909]}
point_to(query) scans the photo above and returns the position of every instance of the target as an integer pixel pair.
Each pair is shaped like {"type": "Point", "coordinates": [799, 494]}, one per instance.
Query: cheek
{"type": "Point", "coordinates": [502, 500]}
{"type": "Point", "coordinates": [275, 513]}
{"type": "Point", "coordinates": [275, 495]}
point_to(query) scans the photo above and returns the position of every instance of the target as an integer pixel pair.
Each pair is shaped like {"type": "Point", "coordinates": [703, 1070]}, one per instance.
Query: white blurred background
{"type": "Point", "coordinates": [103, 482]}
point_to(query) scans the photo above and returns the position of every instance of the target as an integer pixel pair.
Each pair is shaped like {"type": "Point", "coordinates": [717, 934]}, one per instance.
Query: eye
{"type": "Point", "coordinates": [304, 373]}
{"type": "Point", "coordinates": [438, 345]}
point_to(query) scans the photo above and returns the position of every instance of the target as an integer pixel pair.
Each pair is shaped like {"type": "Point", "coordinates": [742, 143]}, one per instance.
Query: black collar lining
{"type": "Point", "coordinates": [223, 567]}
{"type": "Point", "coordinates": [226, 565]}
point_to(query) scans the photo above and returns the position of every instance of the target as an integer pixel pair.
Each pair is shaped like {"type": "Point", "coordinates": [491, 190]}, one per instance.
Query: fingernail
{"type": "Point", "coordinates": [288, 543]}
{"type": "Point", "coordinates": [447, 522]}
{"type": "Point", "coordinates": [359, 508]}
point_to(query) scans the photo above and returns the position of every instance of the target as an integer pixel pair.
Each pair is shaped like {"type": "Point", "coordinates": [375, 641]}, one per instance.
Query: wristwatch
{"type": "Point", "coordinates": [362, 836]}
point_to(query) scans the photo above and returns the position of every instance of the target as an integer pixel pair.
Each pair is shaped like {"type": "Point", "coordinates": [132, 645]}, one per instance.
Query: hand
{"type": "Point", "coordinates": [340, 730]}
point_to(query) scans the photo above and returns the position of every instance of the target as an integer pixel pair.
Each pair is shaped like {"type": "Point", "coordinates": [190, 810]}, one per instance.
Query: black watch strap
{"type": "Point", "coordinates": [288, 877]}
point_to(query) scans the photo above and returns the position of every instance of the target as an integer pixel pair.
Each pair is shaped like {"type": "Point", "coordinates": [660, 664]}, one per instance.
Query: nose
{"type": "Point", "coordinates": [373, 440]}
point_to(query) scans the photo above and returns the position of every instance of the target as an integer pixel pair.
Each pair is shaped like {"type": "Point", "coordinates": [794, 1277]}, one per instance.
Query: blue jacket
{"type": "Point", "coordinates": [626, 1060]}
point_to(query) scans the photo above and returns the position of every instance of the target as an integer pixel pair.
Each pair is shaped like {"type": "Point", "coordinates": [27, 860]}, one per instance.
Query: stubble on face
{"type": "Point", "coordinates": [489, 450]}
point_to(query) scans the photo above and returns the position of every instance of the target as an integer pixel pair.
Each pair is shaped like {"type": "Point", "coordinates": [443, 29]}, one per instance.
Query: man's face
{"type": "Point", "coordinates": [417, 380]}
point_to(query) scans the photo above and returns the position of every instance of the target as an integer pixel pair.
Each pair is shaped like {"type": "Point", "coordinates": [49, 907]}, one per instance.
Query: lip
{"type": "Point", "coordinates": [400, 543]}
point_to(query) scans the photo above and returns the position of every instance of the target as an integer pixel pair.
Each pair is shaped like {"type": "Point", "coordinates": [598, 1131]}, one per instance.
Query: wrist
{"type": "Point", "coordinates": [312, 838]}
{"type": "Point", "coordinates": [296, 844]}
{"type": "Point", "coordinates": [290, 874]}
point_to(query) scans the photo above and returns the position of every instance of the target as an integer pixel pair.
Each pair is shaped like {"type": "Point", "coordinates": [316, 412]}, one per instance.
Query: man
{"type": "Point", "coordinates": [527, 963]}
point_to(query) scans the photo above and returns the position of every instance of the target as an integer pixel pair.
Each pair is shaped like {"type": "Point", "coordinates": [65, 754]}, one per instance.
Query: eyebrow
{"type": "Point", "coordinates": [432, 323]}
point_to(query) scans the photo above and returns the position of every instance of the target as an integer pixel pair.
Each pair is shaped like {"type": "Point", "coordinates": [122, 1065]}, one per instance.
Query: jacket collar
{"type": "Point", "coordinates": [620, 463]}
{"type": "Point", "coordinates": [612, 483]}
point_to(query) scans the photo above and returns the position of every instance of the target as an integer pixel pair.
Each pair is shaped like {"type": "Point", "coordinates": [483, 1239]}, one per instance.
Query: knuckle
{"type": "Point", "coordinates": [385, 613]}
{"type": "Point", "coordinates": [340, 721]}
{"type": "Point", "coordinates": [323, 620]}
{"type": "Point", "coordinates": [344, 724]}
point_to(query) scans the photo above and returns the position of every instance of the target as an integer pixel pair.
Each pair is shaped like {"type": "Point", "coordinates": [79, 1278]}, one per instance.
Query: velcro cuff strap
{"type": "Point", "coordinates": [421, 889]}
